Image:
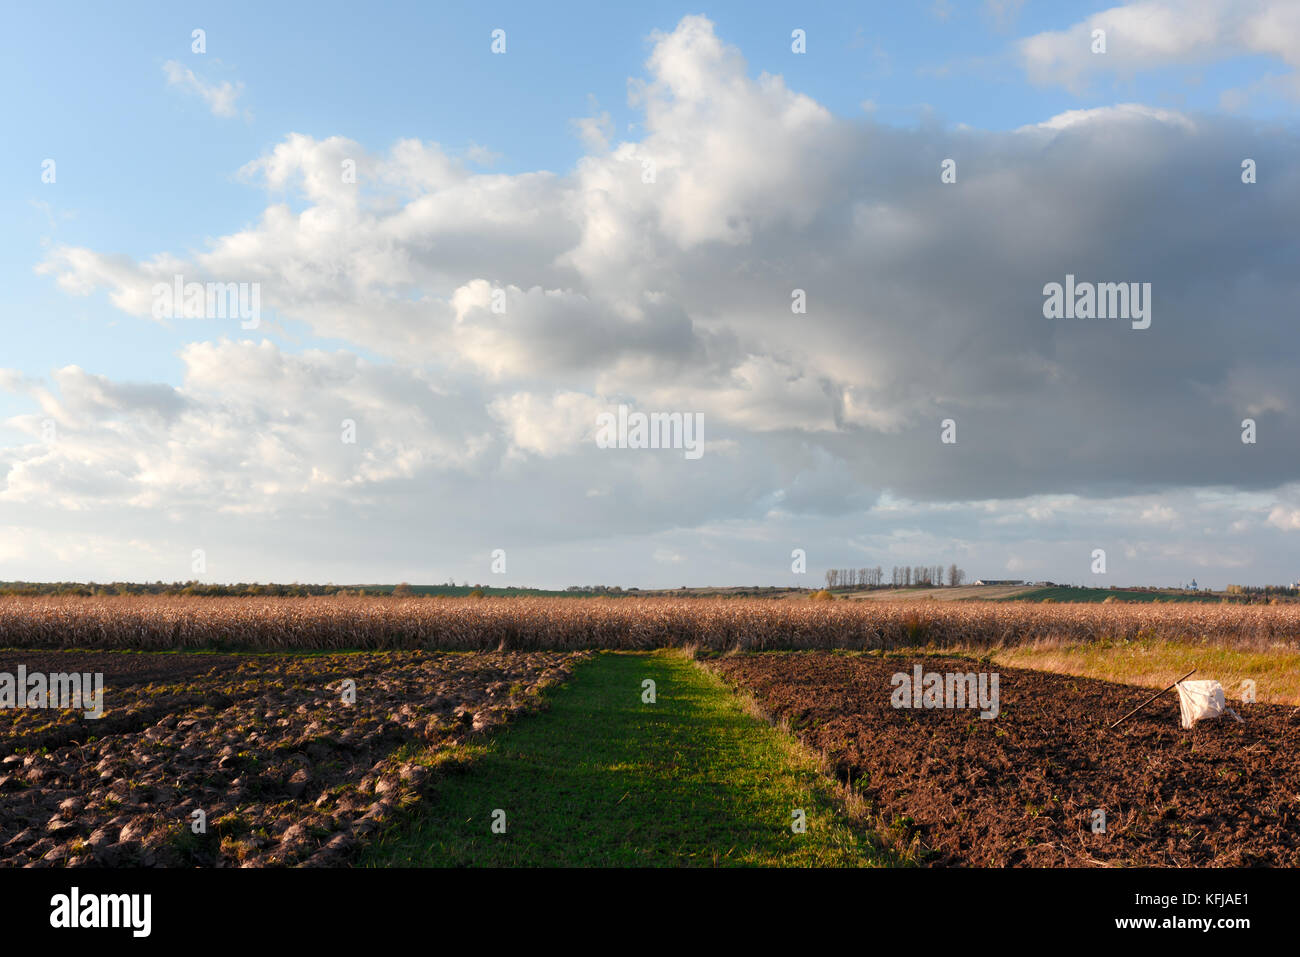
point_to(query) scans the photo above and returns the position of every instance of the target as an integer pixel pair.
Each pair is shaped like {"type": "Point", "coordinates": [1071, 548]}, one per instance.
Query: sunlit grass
{"type": "Point", "coordinates": [603, 779]}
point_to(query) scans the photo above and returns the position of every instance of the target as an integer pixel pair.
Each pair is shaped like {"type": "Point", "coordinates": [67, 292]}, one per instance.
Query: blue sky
{"type": "Point", "coordinates": [147, 167]}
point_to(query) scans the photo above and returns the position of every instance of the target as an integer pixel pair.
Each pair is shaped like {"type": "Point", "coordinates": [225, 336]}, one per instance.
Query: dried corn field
{"type": "Point", "coordinates": [383, 623]}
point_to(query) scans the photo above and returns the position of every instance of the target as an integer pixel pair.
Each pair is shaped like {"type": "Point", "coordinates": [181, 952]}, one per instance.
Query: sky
{"type": "Point", "coordinates": [466, 234]}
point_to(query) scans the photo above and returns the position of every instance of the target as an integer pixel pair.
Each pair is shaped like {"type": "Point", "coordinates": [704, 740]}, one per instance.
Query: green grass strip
{"type": "Point", "coordinates": [603, 779]}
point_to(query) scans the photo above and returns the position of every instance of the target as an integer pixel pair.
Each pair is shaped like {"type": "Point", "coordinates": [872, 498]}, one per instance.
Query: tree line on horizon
{"type": "Point", "coordinates": [250, 589]}
{"type": "Point", "coordinates": [901, 576]}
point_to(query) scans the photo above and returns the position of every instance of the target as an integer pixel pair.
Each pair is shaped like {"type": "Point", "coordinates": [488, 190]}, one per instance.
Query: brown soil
{"type": "Point", "coordinates": [120, 670]}
{"type": "Point", "coordinates": [1019, 789]}
{"type": "Point", "coordinates": [285, 770]}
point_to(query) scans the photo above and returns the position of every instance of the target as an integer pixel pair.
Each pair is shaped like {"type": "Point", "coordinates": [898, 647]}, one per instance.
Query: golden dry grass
{"type": "Point", "coordinates": [1276, 671]}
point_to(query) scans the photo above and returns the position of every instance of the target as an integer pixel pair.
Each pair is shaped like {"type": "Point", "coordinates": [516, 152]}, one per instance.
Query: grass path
{"type": "Point", "coordinates": [603, 779]}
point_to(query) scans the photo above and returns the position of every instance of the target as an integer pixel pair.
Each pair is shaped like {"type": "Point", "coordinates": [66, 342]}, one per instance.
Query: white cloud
{"type": "Point", "coordinates": [249, 420]}
{"type": "Point", "coordinates": [1159, 515]}
{"type": "Point", "coordinates": [1151, 34]}
{"type": "Point", "coordinates": [1287, 519]}
{"type": "Point", "coordinates": [220, 98]}
{"type": "Point", "coordinates": [548, 425]}
{"type": "Point", "coordinates": [1109, 115]}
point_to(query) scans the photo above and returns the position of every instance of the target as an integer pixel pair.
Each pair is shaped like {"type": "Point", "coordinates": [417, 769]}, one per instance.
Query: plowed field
{"type": "Point", "coordinates": [286, 765]}
{"type": "Point", "coordinates": [1020, 789]}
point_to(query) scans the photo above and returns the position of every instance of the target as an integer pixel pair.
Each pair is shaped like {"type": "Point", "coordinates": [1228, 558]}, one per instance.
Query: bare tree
{"type": "Point", "coordinates": [900, 576]}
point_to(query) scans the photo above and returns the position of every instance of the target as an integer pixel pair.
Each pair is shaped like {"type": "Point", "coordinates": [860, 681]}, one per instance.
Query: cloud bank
{"type": "Point", "coordinates": [502, 313]}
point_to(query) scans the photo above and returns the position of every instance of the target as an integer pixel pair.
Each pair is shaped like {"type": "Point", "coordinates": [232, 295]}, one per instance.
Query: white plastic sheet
{"type": "Point", "coordinates": [1200, 699]}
